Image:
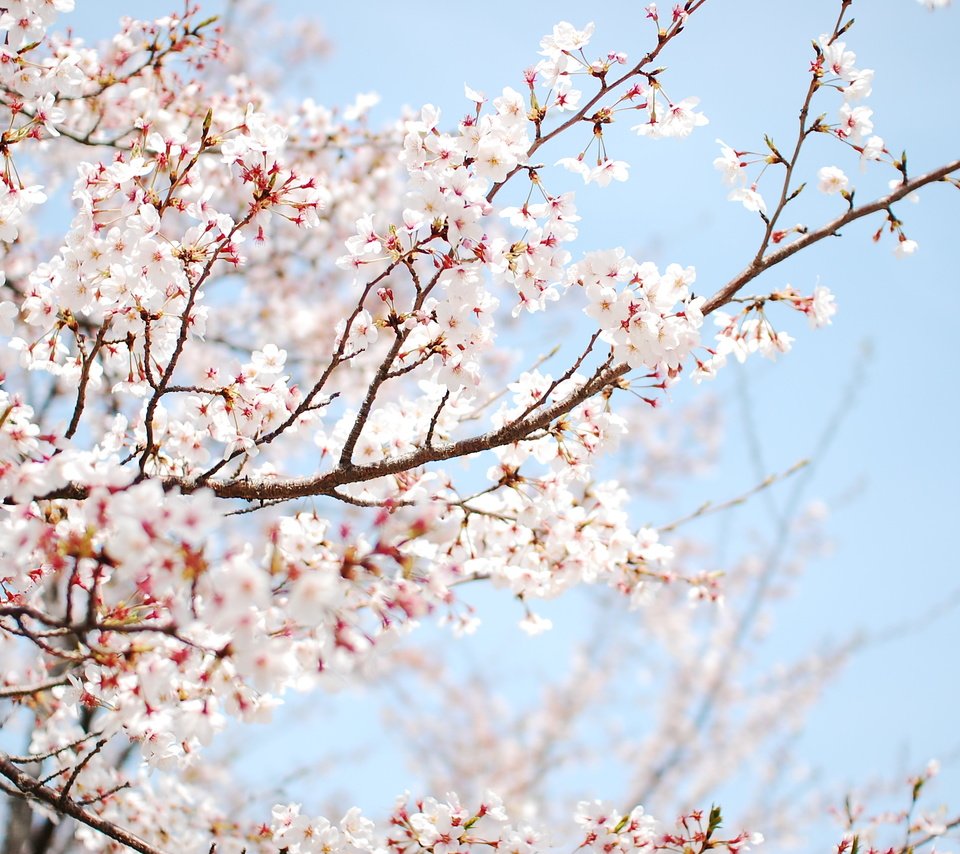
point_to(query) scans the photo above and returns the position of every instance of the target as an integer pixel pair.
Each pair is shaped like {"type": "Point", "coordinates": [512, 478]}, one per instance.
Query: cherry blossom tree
{"type": "Point", "coordinates": [270, 405]}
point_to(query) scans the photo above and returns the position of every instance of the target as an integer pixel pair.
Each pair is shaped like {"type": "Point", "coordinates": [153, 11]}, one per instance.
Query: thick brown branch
{"type": "Point", "coordinates": [324, 484]}
{"type": "Point", "coordinates": [85, 379]}
{"type": "Point", "coordinates": [30, 690]}
{"type": "Point", "coordinates": [30, 787]}
{"type": "Point", "coordinates": [758, 265]}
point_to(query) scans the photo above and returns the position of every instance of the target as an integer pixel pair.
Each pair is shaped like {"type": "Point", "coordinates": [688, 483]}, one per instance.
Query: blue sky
{"type": "Point", "coordinates": [890, 474]}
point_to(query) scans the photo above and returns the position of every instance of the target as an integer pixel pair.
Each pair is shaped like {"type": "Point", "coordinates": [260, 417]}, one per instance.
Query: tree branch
{"type": "Point", "coordinates": [30, 787]}
{"type": "Point", "coordinates": [760, 264]}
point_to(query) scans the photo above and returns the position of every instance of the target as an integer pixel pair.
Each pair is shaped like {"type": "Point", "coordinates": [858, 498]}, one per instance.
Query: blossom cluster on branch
{"type": "Point", "coordinates": [235, 378]}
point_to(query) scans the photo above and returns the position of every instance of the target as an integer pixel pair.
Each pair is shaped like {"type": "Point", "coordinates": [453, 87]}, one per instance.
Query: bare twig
{"type": "Point", "coordinates": [710, 507]}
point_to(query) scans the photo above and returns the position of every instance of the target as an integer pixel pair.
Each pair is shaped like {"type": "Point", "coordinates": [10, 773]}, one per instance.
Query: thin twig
{"type": "Point", "coordinates": [710, 507]}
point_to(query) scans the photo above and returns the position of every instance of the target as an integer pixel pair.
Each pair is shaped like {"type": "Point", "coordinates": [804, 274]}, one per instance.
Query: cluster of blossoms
{"type": "Point", "coordinates": [863, 831]}
{"type": "Point", "coordinates": [235, 411]}
{"type": "Point", "coordinates": [832, 67]}
{"type": "Point", "coordinates": [21, 446]}
{"type": "Point", "coordinates": [563, 50]}
{"type": "Point", "coordinates": [606, 830]}
{"type": "Point", "coordinates": [752, 332]}
{"type": "Point", "coordinates": [653, 321]}
{"type": "Point", "coordinates": [34, 86]}
{"type": "Point", "coordinates": [122, 270]}
{"type": "Point", "coordinates": [835, 67]}
{"type": "Point", "coordinates": [449, 322]}
{"type": "Point", "coordinates": [174, 635]}
{"type": "Point", "coordinates": [586, 539]}
{"type": "Point", "coordinates": [447, 826]}
{"type": "Point", "coordinates": [148, 405]}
